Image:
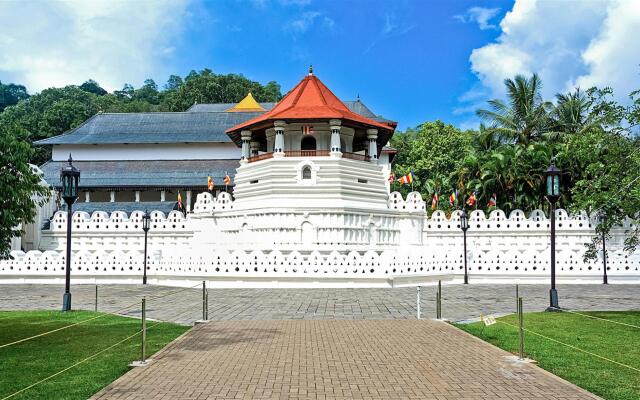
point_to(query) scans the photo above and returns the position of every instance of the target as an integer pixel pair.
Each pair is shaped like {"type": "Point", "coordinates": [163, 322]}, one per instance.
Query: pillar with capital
{"type": "Point", "coordinates": [372, 135]}
{"type": "Point", "coordinates": [278, 146]}
{"type": "Point", "coordinates": [335, 137]}
{"type": "Point", "coordinates": [246, 138]}
{"type": "Point", "coordinates": [254, 147]}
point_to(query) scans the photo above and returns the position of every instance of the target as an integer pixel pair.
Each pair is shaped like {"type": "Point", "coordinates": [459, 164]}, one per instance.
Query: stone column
{"type": "Point", "coordinates": [188, 200]}
{"type": "Point", "coordinates": [372, 135]}
{"type": "Point", "coordinates": [335, 138]}
{"type": "Point", "coordinates": [278, 145]}
{"type": "Point", "coordinates": [246, 138]}
{"type": "Point", "coordinates": [137, 196]}
{"type": "Point", "coordinates": [112, 196]}
{"type": "Point", "coordinates": [255, 148]}
{"type": "Point", "coordinates": [163, 195]}
{"type": "Point", "coordinates": [87, 197]}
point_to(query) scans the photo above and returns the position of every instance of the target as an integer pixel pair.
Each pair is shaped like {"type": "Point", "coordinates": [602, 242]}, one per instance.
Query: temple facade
{"type": "Point", "coordinates": [127, 159]}
{"type": "Point", "coordinates": [309, 206]}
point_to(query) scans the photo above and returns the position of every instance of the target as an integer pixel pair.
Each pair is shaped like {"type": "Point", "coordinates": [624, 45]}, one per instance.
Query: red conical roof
{"type": "Point", "coordinates": [310, 100]}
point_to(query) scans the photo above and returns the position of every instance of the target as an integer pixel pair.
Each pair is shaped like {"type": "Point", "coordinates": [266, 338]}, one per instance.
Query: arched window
{"type": "Point", "coordinates": [306, 172]}
{"type": "Point", "coordinates": [308, 143]}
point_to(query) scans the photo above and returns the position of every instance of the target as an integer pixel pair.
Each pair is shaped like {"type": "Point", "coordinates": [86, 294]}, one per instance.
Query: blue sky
{"type": "Point", "coordinates": [409, 60]}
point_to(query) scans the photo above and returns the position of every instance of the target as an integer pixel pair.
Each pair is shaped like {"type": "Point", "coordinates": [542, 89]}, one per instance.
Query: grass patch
{"type": "Point", "coordinates": [26, 363]}
{"type": "Point", "coordinates": [615, 342]}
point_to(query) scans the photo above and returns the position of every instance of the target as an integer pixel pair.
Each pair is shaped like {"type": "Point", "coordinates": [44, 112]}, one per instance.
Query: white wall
{"type": "Point", "coordinates": [172, 151]}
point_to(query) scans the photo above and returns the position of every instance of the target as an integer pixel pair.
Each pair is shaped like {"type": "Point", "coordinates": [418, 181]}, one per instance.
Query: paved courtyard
{"type": "Point", "coordinates": [339, 359]}
{"type": "Point", "coordinates": [185, 305]}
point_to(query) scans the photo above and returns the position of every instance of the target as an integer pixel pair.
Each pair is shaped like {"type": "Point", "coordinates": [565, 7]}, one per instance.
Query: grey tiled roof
{"type": "Point", "coordinates": [144, 174]}
{"type": "Point", "coordinates": [201, 123]}
{"type": "Point", "coordinates": [169, 127]}
{"type": "Point", "coordinates": [126, 206]}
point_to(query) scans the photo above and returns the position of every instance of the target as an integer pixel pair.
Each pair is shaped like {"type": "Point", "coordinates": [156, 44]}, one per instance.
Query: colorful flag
{"type": "Point", "coordinates": [408, 178]}
{"type": "Point", "coordinates": [307, 130]}
{"type": "Point", "coordinates": [472, 199]}
{"type": "Point", "coordinates": [493, 201]}
{"type": "Point", "coordinates": [179, 198]}
{"type": "Point", "coordinates": [227, 180]}
{"type": "Point", "coordinates": [434, 201]}
{"type": "Point", "coordinates": [210, 183]}
{"type": "Point", "coordinates": [453, 198]}
{"type": "Point", "coordinates": [392, 177]}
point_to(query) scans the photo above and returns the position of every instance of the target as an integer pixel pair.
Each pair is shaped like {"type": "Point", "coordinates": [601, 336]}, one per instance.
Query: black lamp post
{"type": "Point", "coordinates": [603, 220]}
{"type": "Point", "coordinates": [69, 177]}
{"type": "Point", "coordinates": [464, 225]}
{"type": "Point", "coordinates": [552, 178]}
{"type": "Point", "coordinates": [146, 224]}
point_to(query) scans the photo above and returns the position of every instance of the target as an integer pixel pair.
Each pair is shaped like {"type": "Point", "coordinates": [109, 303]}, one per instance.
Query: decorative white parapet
{"type": "Point", "coordinates": [321, 248]}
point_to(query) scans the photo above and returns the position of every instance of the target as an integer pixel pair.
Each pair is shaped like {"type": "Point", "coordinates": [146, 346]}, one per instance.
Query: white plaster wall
{"type": "Point", "coordinates": [169, 151]}
{"type": "Point", "coordinates": [328, 248]}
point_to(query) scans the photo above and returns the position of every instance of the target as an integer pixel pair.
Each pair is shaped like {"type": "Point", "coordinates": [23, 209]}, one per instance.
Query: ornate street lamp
{"type": "Point", "coordinates": [69, 177]}
{"type": "Point", "coordinates": [603, 220]}
{"type": "Point", "coordinates": [464, 225]}
{"type": "Point", "coordinates": [552, 178]}
{"type": "Point", "coordinates": [146, 225]}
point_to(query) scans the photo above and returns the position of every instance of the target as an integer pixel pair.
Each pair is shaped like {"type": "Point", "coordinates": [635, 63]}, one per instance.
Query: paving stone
{"type": "Point", "coordinates": [340, 359]}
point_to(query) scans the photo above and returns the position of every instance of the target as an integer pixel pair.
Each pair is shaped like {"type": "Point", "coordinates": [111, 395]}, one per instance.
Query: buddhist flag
{"type": "Point", "coordinates": [453, 198]}
{"type": "Point", "coordinates": [408, 178]}
{"type": "Point", "coordinates": [179, 198]}
{"type": "Point", "coordinates": [227, 180]}
{"type": "Point", "coordinates": [493, 201]}
{"type": "Point", "coordinates": [392, 177]}
{"type": "Point", "coordinates": [307, 130]}
{"type": "Point", "coordinates": [210, 183]}
{"type": "Point", "coordinates": [472, 199]}
{"type": "Point", "coordinates": [434, 201]}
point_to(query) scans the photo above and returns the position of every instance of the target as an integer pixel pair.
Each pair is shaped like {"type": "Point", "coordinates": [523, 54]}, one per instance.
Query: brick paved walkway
{"type": "Point", "coordinates": [340, 359]}
{"type": "Point", "coordinates": [185, 306]}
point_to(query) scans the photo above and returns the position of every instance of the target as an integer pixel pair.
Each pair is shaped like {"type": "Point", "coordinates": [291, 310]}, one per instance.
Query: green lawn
{"type": "Point", "coordinates": [616, 342]}
{"type": "Point", "coordinates": [26, 363]}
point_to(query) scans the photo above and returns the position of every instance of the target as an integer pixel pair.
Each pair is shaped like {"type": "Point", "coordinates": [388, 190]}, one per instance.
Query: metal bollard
{"type": "Point", "coordinates": [207, 306]}
{"type": "Point", "coordinates": [439, 299]}
{"type": "Point", "coordinates": [520, 329]}
{"type": "Point", "coordinates": [144, 331]}
{"type": "Point", "coordinates": [96, 305]}
{"type": "Point", "coordinates": [418, 302]}
{"type": "Point", "coordinates": [517, 297]}
{"type": "Point", "coordinates": [204, 300]}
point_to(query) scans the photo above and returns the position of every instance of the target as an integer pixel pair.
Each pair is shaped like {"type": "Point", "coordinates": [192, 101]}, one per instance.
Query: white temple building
{"type": "Point", "coordinates": [309, 206]}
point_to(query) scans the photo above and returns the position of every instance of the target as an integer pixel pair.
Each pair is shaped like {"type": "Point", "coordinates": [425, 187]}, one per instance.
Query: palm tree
{"type": "Point", "coordinates": [572, 113]}
{"type": "Point", "coordinates": [525, 117]}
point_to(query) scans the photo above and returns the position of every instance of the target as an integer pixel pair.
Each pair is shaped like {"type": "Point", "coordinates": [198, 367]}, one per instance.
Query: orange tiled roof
{"type": "Point", "coordinates": [310, 99]}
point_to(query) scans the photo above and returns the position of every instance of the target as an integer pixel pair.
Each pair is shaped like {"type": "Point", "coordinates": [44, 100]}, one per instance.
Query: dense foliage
{"type": "Point", "coordinates": [22, 188]}
{"type": "Point", "coordinates": [592, 138]}
{"type": "Point", "coordinates": [56, 110]}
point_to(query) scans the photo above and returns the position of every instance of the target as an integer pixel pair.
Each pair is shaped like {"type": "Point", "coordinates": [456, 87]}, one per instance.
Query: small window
{"type": "Point", "coordinates": [362, 181]}
{"type": "Point", "coordinates": [253, 182]}
{"type": "Point", "coordinates": [306, 172]}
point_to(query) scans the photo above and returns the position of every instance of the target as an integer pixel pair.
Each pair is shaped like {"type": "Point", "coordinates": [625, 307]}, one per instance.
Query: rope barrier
{"type": "Point", "coordinates": [66, 326]}
{"type": "Point", "coordinates": [571, 346]}
{"type": "Point", "coordinates": [71, 366]}
{"type": "Point", "coordinates": [598, 318]}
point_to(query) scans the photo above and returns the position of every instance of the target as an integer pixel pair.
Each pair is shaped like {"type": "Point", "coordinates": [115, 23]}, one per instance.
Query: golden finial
{"type": "Point", "coordinates": [310, 70]}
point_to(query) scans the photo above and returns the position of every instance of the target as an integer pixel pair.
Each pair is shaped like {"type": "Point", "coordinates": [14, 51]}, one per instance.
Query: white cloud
{"type": "Point", "coordinates": [480, 15]}
{"type": "Point", "coordinates": [567, 43]}
{"type": "Point", "coordinates": [307, 20]}
{"type": "Point", "coordinates": [44, 44]}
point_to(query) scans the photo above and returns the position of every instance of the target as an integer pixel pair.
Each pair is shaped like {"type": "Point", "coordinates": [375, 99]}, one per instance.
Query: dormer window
{"type": "Point", "coordinates": [306, 172]}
